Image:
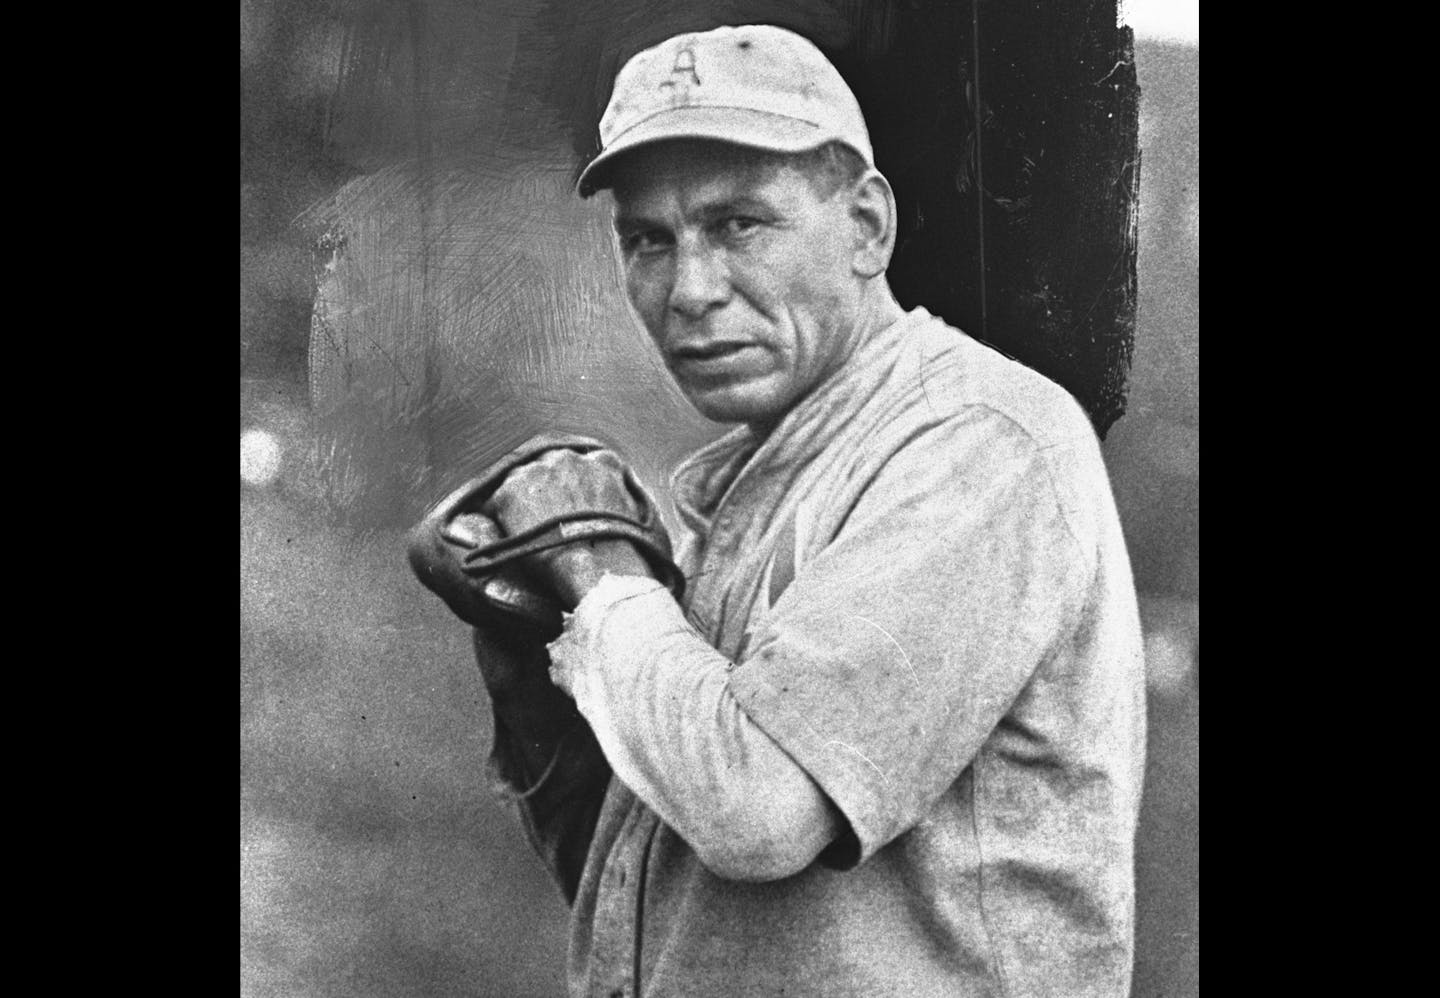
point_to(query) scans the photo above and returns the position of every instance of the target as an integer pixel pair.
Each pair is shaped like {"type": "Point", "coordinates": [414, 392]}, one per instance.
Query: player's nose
{"type": "Point", "coordinates": [702, 280]}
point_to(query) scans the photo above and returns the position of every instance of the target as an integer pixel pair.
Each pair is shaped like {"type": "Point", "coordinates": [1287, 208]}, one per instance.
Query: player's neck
{"type": "Point", "coordinates": [878, 311]}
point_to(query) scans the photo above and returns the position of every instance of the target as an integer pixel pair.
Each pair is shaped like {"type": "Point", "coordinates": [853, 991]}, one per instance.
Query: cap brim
{"type": "Point", "coordinates": [737, 126]}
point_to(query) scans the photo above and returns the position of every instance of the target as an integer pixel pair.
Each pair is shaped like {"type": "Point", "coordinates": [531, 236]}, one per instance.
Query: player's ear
{"type": "Point", "coordinates": [872, 208]}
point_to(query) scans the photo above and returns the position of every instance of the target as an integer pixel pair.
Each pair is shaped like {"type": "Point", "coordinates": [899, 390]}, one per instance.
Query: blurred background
{"type": "Point", "coordinates": [419, 290]}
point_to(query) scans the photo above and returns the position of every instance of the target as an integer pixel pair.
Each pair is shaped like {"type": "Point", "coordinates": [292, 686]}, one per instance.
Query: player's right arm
{"type": "Point", "coordinates": [543, 756]}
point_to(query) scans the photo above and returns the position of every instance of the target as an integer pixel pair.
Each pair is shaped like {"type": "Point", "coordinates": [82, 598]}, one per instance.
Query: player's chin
{"type": "Point", "coordinates": [757, 401]}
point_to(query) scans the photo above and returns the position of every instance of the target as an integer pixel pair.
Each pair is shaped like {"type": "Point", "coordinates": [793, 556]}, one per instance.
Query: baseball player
{"type": "Point", "coordinates": [874, 724]}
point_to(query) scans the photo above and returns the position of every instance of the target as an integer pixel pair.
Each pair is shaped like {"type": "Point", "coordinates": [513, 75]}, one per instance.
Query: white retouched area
{"type": "Point", "coordinates": [1163, 20]}
{"type": "Point", "coordinates": [260, 456]}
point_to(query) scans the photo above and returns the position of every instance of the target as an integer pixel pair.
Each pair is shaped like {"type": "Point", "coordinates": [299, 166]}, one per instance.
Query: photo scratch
{"type": "Point", "coordinates": [855, 751]}
{"type": "Point", "coordinates": [891, 638]}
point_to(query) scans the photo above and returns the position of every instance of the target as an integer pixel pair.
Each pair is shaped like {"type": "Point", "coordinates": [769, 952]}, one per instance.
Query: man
{"type": "Point", "coordinates": [892, 741]}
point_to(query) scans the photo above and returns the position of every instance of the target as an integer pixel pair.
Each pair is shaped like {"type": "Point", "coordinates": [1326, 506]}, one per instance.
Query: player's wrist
{"type": "Point", "coordinates": [578, 568]}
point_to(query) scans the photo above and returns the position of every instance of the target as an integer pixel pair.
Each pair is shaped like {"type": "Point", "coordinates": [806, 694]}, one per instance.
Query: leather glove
{"type": "Point", "coordinates": [565, 489]}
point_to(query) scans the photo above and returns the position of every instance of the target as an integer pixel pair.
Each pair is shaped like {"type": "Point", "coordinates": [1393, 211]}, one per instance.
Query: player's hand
{"type": "Point", "coordinates": [562, 482]}
{"type": "Point", "coordinates": [559, 482]}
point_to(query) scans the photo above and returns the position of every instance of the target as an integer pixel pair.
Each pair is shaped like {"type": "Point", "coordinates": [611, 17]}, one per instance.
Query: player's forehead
{"type": "Point", "coordinates": [690, 176]}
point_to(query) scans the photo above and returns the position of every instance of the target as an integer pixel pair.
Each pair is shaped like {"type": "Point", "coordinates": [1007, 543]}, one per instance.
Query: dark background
{"type": "Point", "coordinates": [419, 289]}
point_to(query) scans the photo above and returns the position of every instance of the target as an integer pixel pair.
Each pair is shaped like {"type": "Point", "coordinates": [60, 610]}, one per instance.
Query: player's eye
{"type": "Point", "coordinates": [645, 241]}
{"type": "Point", "coordinates": [738, 226]}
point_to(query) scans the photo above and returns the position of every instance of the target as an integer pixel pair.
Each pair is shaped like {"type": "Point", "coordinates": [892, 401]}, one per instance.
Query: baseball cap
{"type": "Point", "coordinates": [751, 85]}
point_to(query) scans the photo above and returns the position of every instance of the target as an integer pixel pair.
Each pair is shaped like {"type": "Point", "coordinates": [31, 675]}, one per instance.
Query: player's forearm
{"type": "Point", "coordinates": [658, 698]}
{"type": "Point", "coordinates": [577, 568]}
{"type": "Point", "coordinates": [529, 710]}
{"type": "Point", "coordinates": [558, 791]}
{"type": "Point", "coordinates": [715, 777]}
{"type": "Point", "coordinates": [543, 756]}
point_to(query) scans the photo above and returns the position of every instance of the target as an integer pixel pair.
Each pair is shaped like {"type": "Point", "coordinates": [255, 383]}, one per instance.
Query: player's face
{"type": "Point", "coordinates": [741, 274]}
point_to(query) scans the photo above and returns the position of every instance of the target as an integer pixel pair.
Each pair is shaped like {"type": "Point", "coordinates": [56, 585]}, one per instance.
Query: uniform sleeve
{"type": "Point", "coordinates": [656, 696]}
{"type": "Point", "coordinates": [902, 643]}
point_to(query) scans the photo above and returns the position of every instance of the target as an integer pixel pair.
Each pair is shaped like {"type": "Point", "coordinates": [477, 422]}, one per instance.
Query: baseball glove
{"type": "Point", "coordinates": [462, 555]}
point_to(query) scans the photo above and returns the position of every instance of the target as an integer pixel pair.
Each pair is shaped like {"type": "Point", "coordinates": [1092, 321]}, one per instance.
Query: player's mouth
{"type": "Point", "coordinates": [713, 360]}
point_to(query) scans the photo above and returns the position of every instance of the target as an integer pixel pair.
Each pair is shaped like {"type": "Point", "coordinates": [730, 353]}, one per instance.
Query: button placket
{"type": "Point", "coordinates": [616, 928]}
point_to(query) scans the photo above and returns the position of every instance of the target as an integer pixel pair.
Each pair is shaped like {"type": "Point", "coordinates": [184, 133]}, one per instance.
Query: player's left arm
{"type": "Point", "coordinates": [656, 694]}
{"type": "Point", "coordinates": [658, 697]}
